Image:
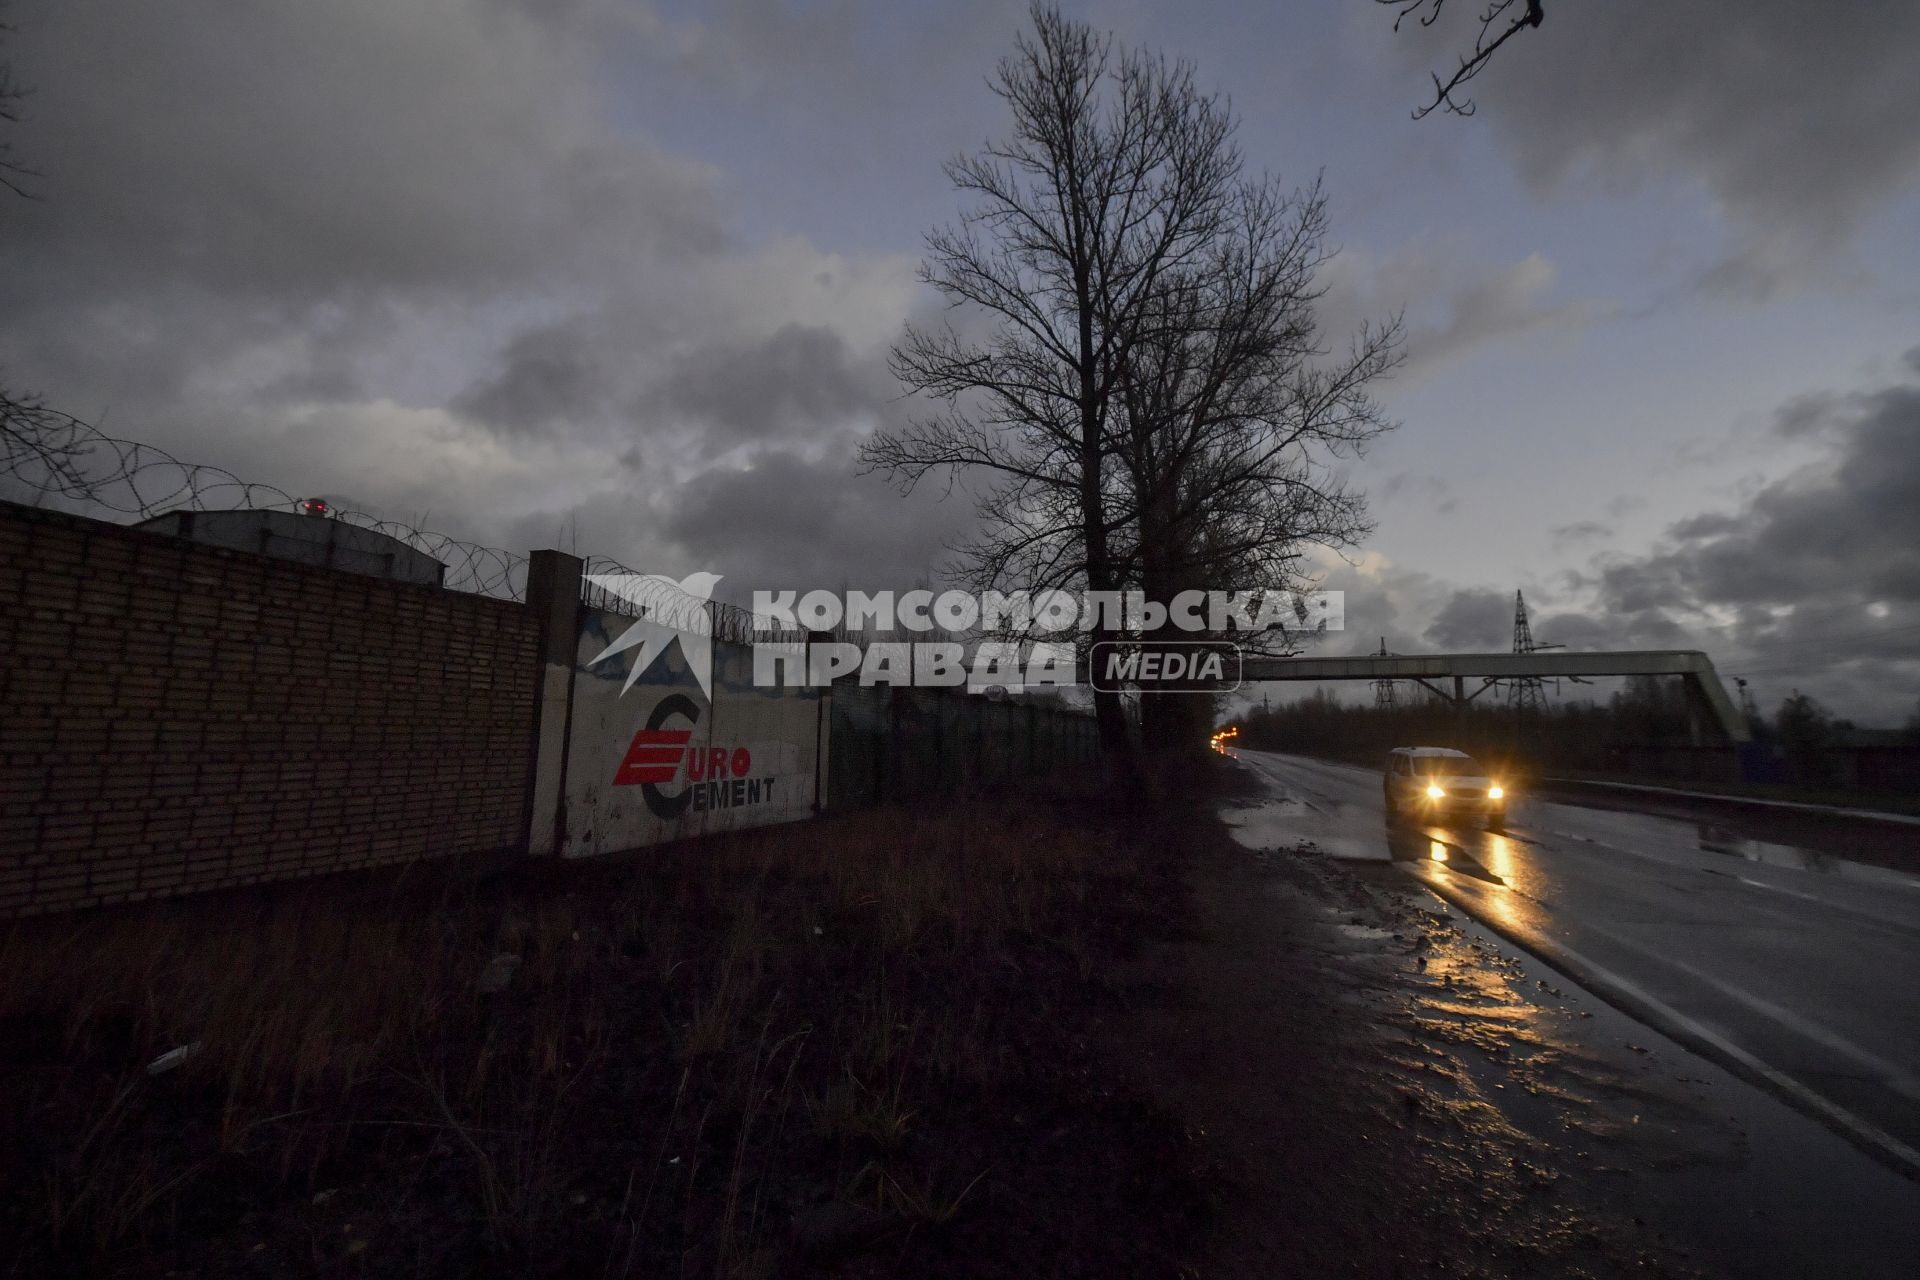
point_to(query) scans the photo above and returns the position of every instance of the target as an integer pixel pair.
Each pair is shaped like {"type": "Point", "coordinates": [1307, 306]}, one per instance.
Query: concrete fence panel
{"type": "Point", "coordinates": [659, 759]}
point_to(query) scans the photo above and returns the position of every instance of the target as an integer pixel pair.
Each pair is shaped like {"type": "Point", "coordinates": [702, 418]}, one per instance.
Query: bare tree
{"type": "Point", "coordinates": [1233, 416]}
{"type": "Point", "coordinates": [1117, 173]}
{"type": "Point", "coordinates": [1150, 404]}
{"type": "Point", "coordinates": [1500, 22]}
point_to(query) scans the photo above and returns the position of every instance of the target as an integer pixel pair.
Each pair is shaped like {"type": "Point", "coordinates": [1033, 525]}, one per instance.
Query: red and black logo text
{"type": "Point", "coordinates": [662, 754]}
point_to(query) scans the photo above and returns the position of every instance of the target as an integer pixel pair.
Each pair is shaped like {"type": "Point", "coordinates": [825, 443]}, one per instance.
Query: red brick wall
{"type": "Point", "coordinates": [175, 717]}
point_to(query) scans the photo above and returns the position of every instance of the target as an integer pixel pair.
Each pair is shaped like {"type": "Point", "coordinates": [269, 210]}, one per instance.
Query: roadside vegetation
{"type": "Point", "coordinates": [858, 1045]}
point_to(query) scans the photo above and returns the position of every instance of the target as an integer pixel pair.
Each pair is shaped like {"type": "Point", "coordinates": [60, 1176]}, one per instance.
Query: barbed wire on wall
{"type": "Point", "coordinates": [50, 456]}
{"type": "Point", "coordinates": [665, 601]}
{"type": "Point", "coordinates": [46, 455]}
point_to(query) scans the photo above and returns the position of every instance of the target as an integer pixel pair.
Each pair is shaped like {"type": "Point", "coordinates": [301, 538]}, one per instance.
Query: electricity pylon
{"type": "Point", "coordinates": [1383, 689]}
{"type": "Point", "coordinates": [1526, 695]}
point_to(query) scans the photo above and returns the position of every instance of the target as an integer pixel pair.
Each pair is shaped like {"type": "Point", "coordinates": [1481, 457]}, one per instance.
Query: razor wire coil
{"type": "Point", "coordinates": [47, 455]}
{"type": "Point", "coordinates": [659, 598]}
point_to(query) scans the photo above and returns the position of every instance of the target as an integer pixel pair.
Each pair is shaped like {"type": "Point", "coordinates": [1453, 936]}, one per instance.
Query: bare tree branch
{"type": "Point", "coordinates": [13, 173]}
{"type": "Point", "coordinates": [1496, 28]}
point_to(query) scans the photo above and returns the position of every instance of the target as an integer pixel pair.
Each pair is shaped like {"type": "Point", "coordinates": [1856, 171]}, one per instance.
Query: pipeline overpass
{"type": "Point", "coordinates": [1447, 675]}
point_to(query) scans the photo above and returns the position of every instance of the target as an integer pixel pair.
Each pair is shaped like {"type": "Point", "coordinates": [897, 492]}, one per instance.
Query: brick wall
{"type": "Point", "coordinates": [176, 717]}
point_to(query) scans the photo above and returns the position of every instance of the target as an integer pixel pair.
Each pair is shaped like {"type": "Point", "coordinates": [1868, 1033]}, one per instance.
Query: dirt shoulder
{"type": "Point", "coordinates": [1360, 1071]}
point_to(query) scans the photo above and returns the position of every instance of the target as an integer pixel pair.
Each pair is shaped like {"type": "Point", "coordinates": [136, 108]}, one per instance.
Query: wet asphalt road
{"type": "Point", "coordinates": [1793, 966]}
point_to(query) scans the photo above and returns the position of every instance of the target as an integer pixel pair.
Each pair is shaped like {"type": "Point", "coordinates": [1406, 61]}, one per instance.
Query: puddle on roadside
{"type": "Point", "coordinates": [1424, 846]}
{"type": "Point", "coordinates": [1286, 822]}
{"type": "Point", "coordinates": [1730, 843]}
{"type": "Point", "coordinates": [1364, 932]}
{"type": "Point", "coordinates": [1351, 848]}
{"type": "Point", "coordinates": [1742, 1183]}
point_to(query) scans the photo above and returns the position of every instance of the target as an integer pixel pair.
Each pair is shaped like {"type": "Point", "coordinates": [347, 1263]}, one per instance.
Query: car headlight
{"type": "Point", "coordinates": [1495, 793]}
{"type": "Point", "coordinates": [1435, 792]}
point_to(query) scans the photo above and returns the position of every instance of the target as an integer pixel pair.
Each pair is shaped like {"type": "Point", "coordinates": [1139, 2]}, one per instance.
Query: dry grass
{"type": "Point", "coordinates": [699, 1044]}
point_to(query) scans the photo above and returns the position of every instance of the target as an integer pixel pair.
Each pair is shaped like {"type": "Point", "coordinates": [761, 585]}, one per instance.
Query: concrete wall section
{"type": "Point", "coordinates": [662, 760]}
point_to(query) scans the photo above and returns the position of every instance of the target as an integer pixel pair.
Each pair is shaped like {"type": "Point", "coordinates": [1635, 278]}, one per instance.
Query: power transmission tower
{"type": "Point", "coordinates": [1383, 689]}
{"type": "Point", "coordinates": [1526, 695]}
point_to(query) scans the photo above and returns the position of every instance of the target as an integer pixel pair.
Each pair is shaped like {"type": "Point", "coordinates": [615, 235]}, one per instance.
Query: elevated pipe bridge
{"type": "Point", "coordinates": [1446, 674]}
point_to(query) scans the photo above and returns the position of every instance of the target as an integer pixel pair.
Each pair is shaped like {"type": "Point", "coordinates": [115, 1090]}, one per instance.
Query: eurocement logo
{"type": "Point", "coordinates": [710, 777]}
{"type": "Point", "coordinates": [1193, 641]}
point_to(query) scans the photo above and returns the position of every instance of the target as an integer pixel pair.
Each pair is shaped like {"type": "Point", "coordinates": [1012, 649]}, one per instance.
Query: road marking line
{"type": "Point", "coordinates": [1638, 1003]}
{"type": "Point", "coordinates": [1895, 1078]}
{"type": "Point", "coordinates": [1762, 884]}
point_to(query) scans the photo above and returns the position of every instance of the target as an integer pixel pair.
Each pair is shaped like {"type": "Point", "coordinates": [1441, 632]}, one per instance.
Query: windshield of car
{"type": "Point", "coordinates": [1449, 767]}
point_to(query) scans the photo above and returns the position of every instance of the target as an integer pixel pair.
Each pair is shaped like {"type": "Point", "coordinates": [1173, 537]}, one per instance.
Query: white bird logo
{"type": "Point", "coordinates": [669, 611]}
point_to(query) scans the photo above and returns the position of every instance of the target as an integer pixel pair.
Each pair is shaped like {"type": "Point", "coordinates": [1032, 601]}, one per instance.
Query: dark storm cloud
{"type": "Point", "coordinates": [269, 201]}
{"type": "Point", "coordinates": [798, 379]}
{"type": "Point", "coordinates": [1578, 629]}
{"type": "Point", "coordinates": [843, 56]}
{"type": "Point", "coordinates": [1842, 531]}
{"type": "Point", "coordinates": [1812, 582]}
{"type": "Point", "coordinates": [416, 254]}
{"type": "Point", "coordinates": [625, 521]}
{"type": "Point", "coordinates": [546, 377]}
{"type": "Point", "coordinates": [1710, 524]}
{"type": "Point", "coordinates": [298, 153]}
{"type": "Point", "coordinates": [690, 394]}
{"type": "Point", "coordinates": [1473, 620]}
{"type": "Point", "coordinates": [1797, 118]}
{"type": "Point", "coordinates": [785, 522]}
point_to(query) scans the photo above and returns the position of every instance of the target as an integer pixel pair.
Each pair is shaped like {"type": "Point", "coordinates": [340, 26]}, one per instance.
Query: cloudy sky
{"type": "Point", "coordinates": [621, 276]}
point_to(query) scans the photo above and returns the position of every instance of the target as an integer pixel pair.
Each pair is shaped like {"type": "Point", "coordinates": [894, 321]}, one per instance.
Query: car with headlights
{"type": "Point", "coordinates": [1435, 783]}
